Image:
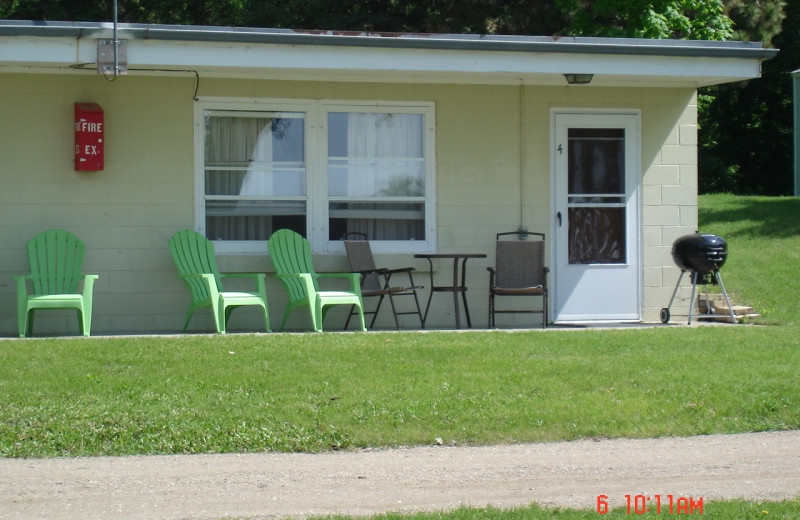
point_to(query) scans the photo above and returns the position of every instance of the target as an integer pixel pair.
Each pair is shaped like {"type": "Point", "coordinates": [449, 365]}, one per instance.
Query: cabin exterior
{"type": "Point", "coordinates": [424, 143]}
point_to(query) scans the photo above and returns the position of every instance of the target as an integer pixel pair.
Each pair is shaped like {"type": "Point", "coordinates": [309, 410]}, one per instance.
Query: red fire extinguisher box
{"type": "Point", "coordinates": [89, 139]}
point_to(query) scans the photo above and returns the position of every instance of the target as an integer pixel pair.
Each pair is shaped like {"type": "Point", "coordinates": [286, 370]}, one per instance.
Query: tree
{"type": "Point", "coordinates": [757, 21]}
{"type": "Point", "coordinates": [745, 138]}
{"type": "Point", "coordinates": [687, 19]}
{"type": "Point", "coordinates": [200, 12]}
{"type": "Point", "coordinates": [463, 16]}
{"type": "Point", "coordinates": [643, 18]}
{"type": "Point", "coordinates": [56, 10]}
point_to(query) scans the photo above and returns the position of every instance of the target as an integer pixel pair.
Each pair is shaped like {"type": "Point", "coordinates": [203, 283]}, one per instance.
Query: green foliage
{"type": "Point", "coordinates": [756, 21]}
{"type": "Point", "coordinates": [701, 19]}
{"type": "Point", "coordinates": [69, 10]}
{"type": "Point", "coordinates": [466, 16]}
{"type": "Point", "coordinates": [528, 18]}
{"type": "Point", "coordinates": [745, 129]}
{"type": "Point", "coordinates": [194, 12]}
{"type": "Point", "coordinates": [200, 12]}
{"type": "Point", "coordinates": [683, 19]}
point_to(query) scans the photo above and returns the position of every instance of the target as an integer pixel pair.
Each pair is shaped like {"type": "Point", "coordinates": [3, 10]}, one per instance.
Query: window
{"type": "Point", "coordinates": [376, 175]}
{"type": "Point", "coordinates": [254, 174]}
{"type": "Point", "coordinates": [323, 169]}
{"type": "Point", "coordinates": [596, 196]}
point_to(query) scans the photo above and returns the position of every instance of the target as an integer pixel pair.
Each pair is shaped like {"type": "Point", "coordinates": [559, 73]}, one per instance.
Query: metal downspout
{"type": "Point", "coordinates": [522, 154]}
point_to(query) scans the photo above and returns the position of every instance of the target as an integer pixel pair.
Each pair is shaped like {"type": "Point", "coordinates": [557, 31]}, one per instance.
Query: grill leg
{"type": "Point", "coordinates": [675, 292]}
{"type": "Point", "coordinates": [665, 311]}
{"type": "Point", "coordinates": [725, 294]}
{"type": "Point", "coordinates": [694, 294]}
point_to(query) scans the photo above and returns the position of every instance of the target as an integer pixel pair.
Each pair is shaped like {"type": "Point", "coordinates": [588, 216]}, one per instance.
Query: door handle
{"type": "Point", "coordinates": [558, 216]}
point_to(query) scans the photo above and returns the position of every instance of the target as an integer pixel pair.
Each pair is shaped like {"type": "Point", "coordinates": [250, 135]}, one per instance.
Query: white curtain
{"type": "Point", "coordinates": [230, 143]}
{"type": "Point", "coordinates": [384, 159]}
{"type": "Point", "coordinates": [258, 181]}
{"type": "Point", "coordinates": [243, 154]}
{"type": "Point", "coordinates": [379, 147]}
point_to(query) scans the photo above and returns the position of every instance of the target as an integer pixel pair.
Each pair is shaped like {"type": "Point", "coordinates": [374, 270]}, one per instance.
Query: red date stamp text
{"type": "Point", "coordinates": [654, 504]}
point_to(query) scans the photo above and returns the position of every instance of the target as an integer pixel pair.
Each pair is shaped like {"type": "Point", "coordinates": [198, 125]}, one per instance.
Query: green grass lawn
{"type": "Point", "coordinates": [314, 392]}
{"type": "Point", "coordinates": [317, 392]}
{"type": "Point", "coordinates": [763, 235]}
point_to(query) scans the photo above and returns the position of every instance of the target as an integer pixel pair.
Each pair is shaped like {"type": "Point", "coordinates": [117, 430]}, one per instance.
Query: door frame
{"type": "Point", "coordinates": [636, 193]}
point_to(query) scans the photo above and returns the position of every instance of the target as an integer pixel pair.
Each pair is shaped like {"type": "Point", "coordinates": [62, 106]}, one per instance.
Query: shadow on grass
{"type": "Point", "coordinates": [751, 217]}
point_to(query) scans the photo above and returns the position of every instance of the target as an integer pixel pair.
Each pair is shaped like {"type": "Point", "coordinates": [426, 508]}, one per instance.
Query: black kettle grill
{"type": "Point", "coordinates": [702, 256]}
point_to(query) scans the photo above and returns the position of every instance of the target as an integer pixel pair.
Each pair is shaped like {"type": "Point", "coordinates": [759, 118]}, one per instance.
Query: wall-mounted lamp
{"type": "Point", "coordinates": [579, 79]}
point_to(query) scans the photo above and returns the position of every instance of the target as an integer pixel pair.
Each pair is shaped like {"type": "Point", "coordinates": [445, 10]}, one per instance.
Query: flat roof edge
{"type": "Point", "coordinates": [474, 42]}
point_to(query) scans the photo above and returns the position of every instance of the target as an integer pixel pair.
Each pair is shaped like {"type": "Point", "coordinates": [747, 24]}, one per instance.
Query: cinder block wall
{"type": "Point", "coordinates": [669, 192]}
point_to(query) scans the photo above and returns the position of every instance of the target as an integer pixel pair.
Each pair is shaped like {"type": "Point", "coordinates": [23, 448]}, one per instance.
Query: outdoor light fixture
{"type": "Point", "coordinates": [579, 79]}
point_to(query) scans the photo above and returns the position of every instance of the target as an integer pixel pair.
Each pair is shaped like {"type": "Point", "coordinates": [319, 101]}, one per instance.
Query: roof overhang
{"type": "Point", "coordinates": [223, 52]}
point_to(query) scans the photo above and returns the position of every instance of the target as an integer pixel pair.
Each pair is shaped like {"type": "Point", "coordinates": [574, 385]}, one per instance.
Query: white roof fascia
{"type": "Point", "coordinates": [403, 65]}
{"type": "Point", "coordinates": [276, 54]}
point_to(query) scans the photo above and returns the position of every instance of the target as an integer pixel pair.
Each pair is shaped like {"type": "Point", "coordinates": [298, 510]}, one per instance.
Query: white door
{"type": "Point", "coordinates": [597, 251]}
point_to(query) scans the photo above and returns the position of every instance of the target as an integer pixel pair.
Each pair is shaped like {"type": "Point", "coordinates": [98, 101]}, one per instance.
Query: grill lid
{"type": "Point", "coordinates": [704, 254]}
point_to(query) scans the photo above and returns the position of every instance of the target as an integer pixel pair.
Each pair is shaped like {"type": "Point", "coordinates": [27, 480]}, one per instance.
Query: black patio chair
{"type": "Point", "coordinates": [377, 282]}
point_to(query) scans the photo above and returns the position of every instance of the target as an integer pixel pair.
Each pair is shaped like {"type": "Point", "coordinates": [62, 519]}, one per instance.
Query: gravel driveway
{"type": "Point", "coordinates": [570, 474]}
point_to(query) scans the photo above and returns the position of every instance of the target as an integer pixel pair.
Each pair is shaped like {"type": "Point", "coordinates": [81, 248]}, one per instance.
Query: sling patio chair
{"type": "Point", "coordinates": [56, 259]}
{"type": "Point", "coordinates": [291, 256]}
{"type": "Point", "coordinates": [196, 262]}
{"type": "Point", "coordinates": [377, 282]}
{"type": "Point", "coordinates": [519, 271]}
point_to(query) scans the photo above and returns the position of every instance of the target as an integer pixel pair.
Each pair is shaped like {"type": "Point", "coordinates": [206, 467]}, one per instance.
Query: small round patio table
{"type": "Point", "coordinates": [459, 281]}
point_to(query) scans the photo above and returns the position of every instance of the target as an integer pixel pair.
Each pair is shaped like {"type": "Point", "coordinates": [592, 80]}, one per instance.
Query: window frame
{"type": "Point", "coordinates": [316, 162]}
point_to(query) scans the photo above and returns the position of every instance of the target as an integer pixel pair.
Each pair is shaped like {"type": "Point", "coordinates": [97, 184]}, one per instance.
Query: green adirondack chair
{"type": "Point", "coordinates": [291, 255]}
{"type": "Point", "coordinates": [195, 259]}
{"type": "Point", "coordinates": [56, 260]}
